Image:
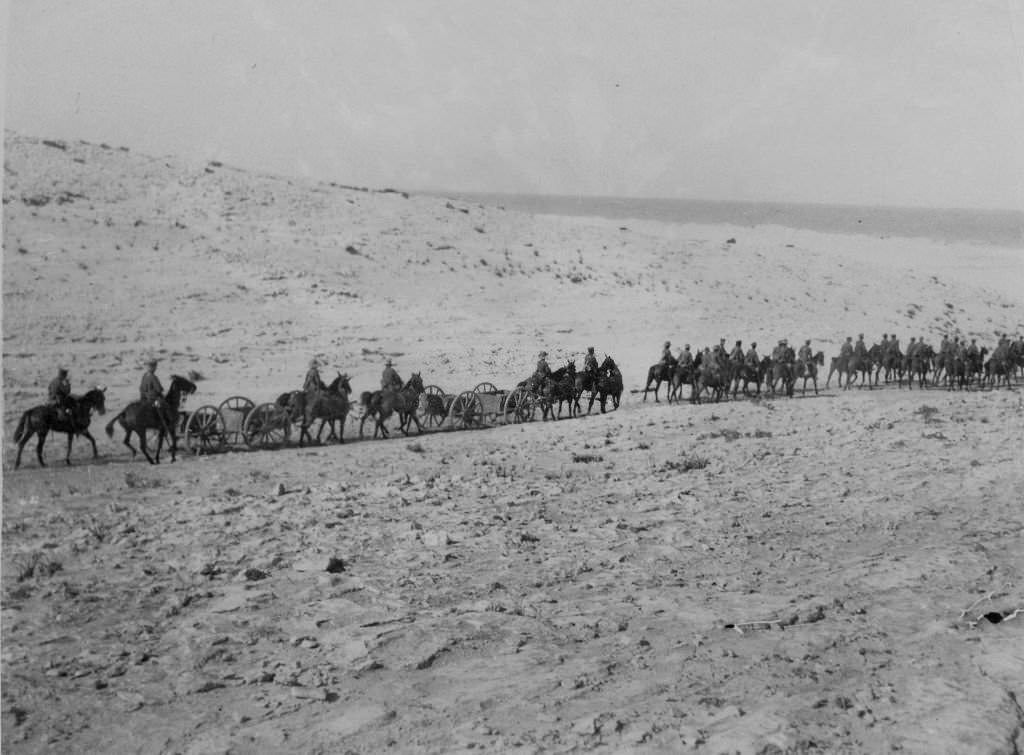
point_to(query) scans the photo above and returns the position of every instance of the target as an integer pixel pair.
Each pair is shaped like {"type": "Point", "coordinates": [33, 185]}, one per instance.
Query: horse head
{"type": "Point", "coordinates": [179, 389]}
{"type": "Point", "coordinates": [340, 384]}
{"type": "Point", "coordinates": [415, 383]}
{"type": "Point", "coordinates": [96, 399]}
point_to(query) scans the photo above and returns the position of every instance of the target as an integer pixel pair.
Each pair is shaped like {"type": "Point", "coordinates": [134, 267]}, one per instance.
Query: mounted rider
{"type": "Point", "coordinates": [590, 365]}
{"type": "Point", "coordinates": [846, 350]}
{"type": "Point", "coordinates": [389, 378]}
{"type": "Point", "coordinates": [860, 349]}
{"type": "Point", "coordinates": [151, 392]}
{"type": "Point", "coordinates": [667, 360]}
{"type": "Point", "coordinates": [805, 356]}
{"type": "Point", "coordinates": [786, 354]}
{"type": "Point", "coordinates": [736, 355]}
{"type": "Point", "coordinates": [752, 359]}
{"type": "Point", "coordinates": [59, 391]}
{"type": "Point", "coordinates": [313, 385]}
{"type": "Point", "coordinates": [685, 357]}
{"type": "Point", "coordinates": [541, 373]}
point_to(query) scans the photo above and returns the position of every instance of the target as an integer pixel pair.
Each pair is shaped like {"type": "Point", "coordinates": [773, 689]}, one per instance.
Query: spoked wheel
{"type": "Point", "coordinates": [234, 411]}
{"type": "Point", "coordinates": [205, 432]}
{"type": "Point", "coordinates": [520, 406]}
{"type": "Point", "coordinates": [267, 426]}
{"type": "Point", "coordinates": [486, 388]}
{"type": "Point", "coordinates": [433, 407]}
{"type": "Point", "coordinates": [467, 411]}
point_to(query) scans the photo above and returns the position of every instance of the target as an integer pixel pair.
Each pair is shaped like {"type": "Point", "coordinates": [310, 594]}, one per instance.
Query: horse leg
{"type": "Point", "coordinates": [142, 444]}
{"type": "Point", "coordinates": [95, 453]}
{"type": "Point", "coordinates": [67, 458]}
{"type": "Point", "coordinates": [39, 447]}
{"type": "Point", "coordinates": [21, 445]}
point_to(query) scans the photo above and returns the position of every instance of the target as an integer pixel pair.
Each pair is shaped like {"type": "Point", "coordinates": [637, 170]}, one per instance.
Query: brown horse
{"type": "Point", "coordinates": [809, 371]}
{"type": "Point", "coordinates": [713, 377]}
{"type": "Point", "coordinates": [658, 373]}
{"type": "Point", "coordinates": [609, 383]}
{"type": "Point", "coordinates": [329, 406]}
{"type": "Point", "coordinates": [382, 404]}
{"type": "Point", "coordinates": [559, 386]}
{"type": "Point", "coordinates": [40, 420]}
{"type": "Point", "coordinates": [138, 417]}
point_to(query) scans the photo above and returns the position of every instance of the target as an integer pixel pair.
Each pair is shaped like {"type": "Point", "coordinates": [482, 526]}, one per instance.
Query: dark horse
{"type": "Point", "coordinates": [138, 417]}
{"type": "Point", "coordinates": [609, 383]}
{"type": "Point", "coordinates": [586, 381]}
{"type": "Point", "coordinates": [659, 373]}
{"type": "Point", "coordinates": [40, 420]}
{"type": "Point", "coordinates": [382, 404]}
{"type": "Point", "coordinates": [329, 406]}
{"type": "Point", "coordinates": [809, 371]}
{"type": "Point", "coordinates": [560, 386]}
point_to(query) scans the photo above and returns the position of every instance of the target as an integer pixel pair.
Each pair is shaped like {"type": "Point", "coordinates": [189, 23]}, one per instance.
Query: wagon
{"type": "Point", "coordinates": [236, 421]}
{"type": "Point", "coordinates": [433, 407]}
{"type": "Point", "coordinates": [486, 404]}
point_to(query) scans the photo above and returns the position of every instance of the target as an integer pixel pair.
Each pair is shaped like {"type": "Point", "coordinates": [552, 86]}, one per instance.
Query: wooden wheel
{"type": "Point", "coordinates": [205, 432]}
{"type": "Point", "coordinates": [433, 407]}
{"type": "Point", "coordinates": [467, 411]}
{"type": "Point", "coordinates": [233, 412]}
{"type": "Point", "coordinates": [486, 388]}
{"type": "Point", "coordinates": [267, 426]}
{"type": "Point", "coordinates": [520, 406]}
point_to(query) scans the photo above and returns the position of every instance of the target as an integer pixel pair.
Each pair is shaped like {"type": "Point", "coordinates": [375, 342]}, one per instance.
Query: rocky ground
{"type": "Point", "coordinates": [831, 573]}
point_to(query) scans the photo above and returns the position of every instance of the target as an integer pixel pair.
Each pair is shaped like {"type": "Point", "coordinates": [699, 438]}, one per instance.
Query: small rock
{"type": "Point", "coordinates": [335, 565]}
{"type": "Point", "coordinates": [436, 538]}
{"type": "Point", "coordinates": [309, 693]}
{"type": "Point", "coordinates": [280, 489]}
{"type": "Point", "coordinates": [254, 575]}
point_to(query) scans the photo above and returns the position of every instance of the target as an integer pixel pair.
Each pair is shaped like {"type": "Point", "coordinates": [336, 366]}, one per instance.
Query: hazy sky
{"type": "Point", "coordinates": [905, 102]}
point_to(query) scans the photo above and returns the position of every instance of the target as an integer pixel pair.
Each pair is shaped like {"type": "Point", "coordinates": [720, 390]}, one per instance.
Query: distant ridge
{"type": "Point", "coordinates": [997, 227]}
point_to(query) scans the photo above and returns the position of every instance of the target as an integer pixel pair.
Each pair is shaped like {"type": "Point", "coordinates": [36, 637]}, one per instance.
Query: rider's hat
{"type": "Point", "coordinates": [590, 349]}
{"type": "Point", "coordinates": [314, 362]}
{"type": "Point", "coordinates": [667, 344]}
{"type": "Point", "coordinates": [151, 361]}
{"type": "Point", "coordinates": [388, 363]}
{"type": "Point", "coordinates": [739, 343]}
{"type": "Point", "coordinates": [62, 370]}
{"type": "Point", "coordinates": [808, 341]}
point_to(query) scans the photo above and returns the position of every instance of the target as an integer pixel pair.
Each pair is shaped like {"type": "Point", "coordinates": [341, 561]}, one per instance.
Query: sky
{"type": "Point", "coordinates": [875, 102]}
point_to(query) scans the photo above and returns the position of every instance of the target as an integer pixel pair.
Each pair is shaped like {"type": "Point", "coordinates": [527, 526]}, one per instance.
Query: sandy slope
{"type": "Point", "coordinates": [550, 587]}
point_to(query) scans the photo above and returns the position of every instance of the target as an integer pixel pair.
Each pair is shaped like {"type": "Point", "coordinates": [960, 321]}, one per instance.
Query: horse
{"type": "Point", "coordinates": [682, 374]}
{"type": "Point", "coordinates": [744, 373]}
{"type": "Point", "coordinates": [559, 386]}
{"type": "Point", "coordinates": [998, 370]}
{"type": "Point", "coordinates": [809, 371]}
{"type": "Point", "coordinates": [40, 420]}
{"type": "Point", "coordinates": [919, 364]}
{"type": "Point", "coordinates": [658, 374]}
{"type": "Point", "coordinates": [892, 363]}
{"type": "Point", "coordinates": [609, 383]}
{"type": "Point", "coordinates": [785, 372]}
{"type": "Point", "coordinates": [857, 364]}
{"type": "Point", "coordinates": [138, 417]}
{"type": "Point", "coordinates": [383, 403]}
{"type": "Point", "coordinates": [586, 381]}
{"type": "Point", "coordinates": [711, 376]}
{"type": "Point", "coordinates": [329, 406]}
{"type": "Point", "coordinates": [836, 366]}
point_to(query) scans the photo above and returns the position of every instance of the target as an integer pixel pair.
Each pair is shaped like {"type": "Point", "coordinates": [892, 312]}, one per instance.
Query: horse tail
{"type": "Point", "coordinates": [19, 432]}
{"type": "Point", "coordinates": [110, 425]}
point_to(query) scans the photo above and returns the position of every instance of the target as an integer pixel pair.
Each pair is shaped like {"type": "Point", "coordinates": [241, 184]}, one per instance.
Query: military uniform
{"type": "Point", "coordinates": [860, 348]}
{"type": "Point", "coordinates": [752, 359]}
{"type": "Point", "coordinates": [150, 390]}
{"type": "Point", "coordinates": [685, 357]}
{"type": "Point", "coordinates": [590, 362]}
{"type": "Point", "coordinates": [805, 353]}
{"type": "Point", "coordinates": [846, 350]}
{"type": "Point", "coordinates": [389, 378]}
{"type": "Point", "coordinates": [737, 353]}
{"type": "Point", "coordinates": [666, 354]}
{"type": "Point", "coordinates": [312, 384]}
{"type": "Point", "coordinates": [59, 391]}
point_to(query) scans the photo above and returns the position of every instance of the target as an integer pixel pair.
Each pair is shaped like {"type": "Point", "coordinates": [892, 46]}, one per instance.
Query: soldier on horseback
{"type": "Point", "coordinates": [151, 392]}
{"type": "Point", "coordinates": [685, 357]}
{"type": "Point", "coordinates": [667, 360]}
{"type": "Point", "coordinates": [860, 348]}
{"type": "Point", "coordinates": [804, 355]}
{"type": "Point", "coordinates": [752, 359]}
{"type": "Point", "coordinates": [590, 362]}
{"type": "Point", "coordinates": [313, 384]}
{"type": "Point", "coordinates": [389, 379]}
{"type": "Point", "coordinates": [846, 350]}
{"type": "Point", "coordinates": [59, 392]}
{"type": "Point", "coordinates": [736, 355]}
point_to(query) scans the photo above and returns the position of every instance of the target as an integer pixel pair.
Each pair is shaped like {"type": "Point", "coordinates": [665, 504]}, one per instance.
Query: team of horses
{"type": "Point", "coordinates": [565, 386]}
{"type": "Point", "coordinates": [715, 378]}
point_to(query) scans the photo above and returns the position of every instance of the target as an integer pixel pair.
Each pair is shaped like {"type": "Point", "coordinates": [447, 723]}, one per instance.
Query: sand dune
{"type": "Point", "coordinates": [787, 575]}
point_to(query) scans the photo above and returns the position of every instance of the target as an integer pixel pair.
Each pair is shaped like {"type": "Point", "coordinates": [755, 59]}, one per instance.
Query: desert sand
{"type": "Point", "coordinates": [782, 575]}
